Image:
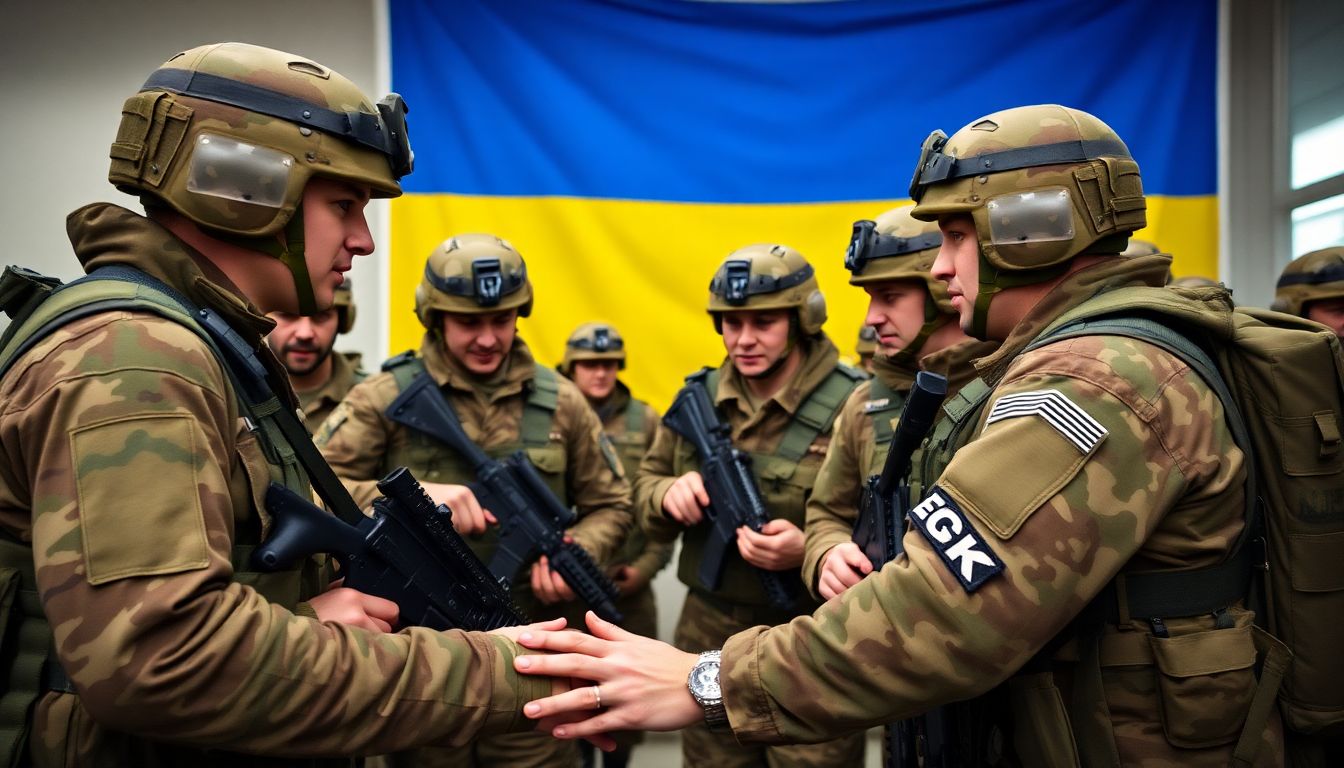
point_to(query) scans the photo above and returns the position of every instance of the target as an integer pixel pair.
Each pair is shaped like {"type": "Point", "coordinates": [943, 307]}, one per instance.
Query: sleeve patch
{"type": "Point", "coordinates": [328, 428]}
{"type": "Point", "coordinates": [1055, 409]}
{"type": "Point", "coordinates": [940, 519]}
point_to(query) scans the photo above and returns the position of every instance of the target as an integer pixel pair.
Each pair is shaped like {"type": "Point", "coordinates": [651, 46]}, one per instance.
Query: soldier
{"type": "Point", "coordinates": [866, 347]}
{"type": "Point", "coordinates": [475, 288]}
{"type": "Point", "coordinates": [133, 469]}
{"type": "Point", "coordinates": [1043, 572]}
{"type": "Point", "coordinates": [320, 376]}
{"type": "Point", "coordinates": [1312, 286]}
{"type": "Point", "coordinates": [778, 390]}
{"type": "Point", "coordinates": [915, 329]}
{"type": "Point", "coordinates": [594, 354]}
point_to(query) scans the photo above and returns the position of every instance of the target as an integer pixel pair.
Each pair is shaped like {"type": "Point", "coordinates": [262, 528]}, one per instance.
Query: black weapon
{"type": "Point", "coordinates": [407, 551]}
{"type": "Point", "coordinates": [886, 497]}
{"type": "Point", "coordinates": [734, 499]}
{"type": "Point", "coordinates": [532, 520]}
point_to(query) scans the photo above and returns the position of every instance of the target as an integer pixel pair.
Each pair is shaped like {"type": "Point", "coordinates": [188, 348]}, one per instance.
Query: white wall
{"type": "Point", "coordinates": [68, 66]}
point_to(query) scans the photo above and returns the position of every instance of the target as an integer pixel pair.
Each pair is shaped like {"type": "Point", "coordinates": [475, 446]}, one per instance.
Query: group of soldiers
{"type": "Point", "coordinates": [137, 454]}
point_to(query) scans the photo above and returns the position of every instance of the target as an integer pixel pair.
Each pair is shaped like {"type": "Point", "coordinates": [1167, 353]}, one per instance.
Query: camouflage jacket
{"type": "Point", "coordinates": [784, 486]}
{"type": "Point", "coordinates": [317, 404]}
{"type": "Point", "coordinates": [647, 557]}
{"type": "Point", "coordinates": [1094, 455]}
{"type": "Point", "coordinates": [362, 444]}
{"type": "Point", "coordinates": [854, 455]}
{"type": "Point", "coordinates": [125, 464]}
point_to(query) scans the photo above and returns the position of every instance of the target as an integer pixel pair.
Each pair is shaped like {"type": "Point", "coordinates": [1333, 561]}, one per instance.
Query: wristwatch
{"type": "Point", "coordinates": [704, 684]}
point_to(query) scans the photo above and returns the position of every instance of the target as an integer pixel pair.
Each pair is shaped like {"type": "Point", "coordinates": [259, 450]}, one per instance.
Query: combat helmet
{"type": "Point", "coordinates": [767, 276]}
{"type": "Point", "coordinates": [1043, 184]}
{"type": "Point", "coordinates": [473, 274]}
{"type": "Point", "coordinates": [866, 346]}
{"type": "Point", "coordinates": [344, 305]}
{"type": "Point", "coordinates": [897, 246]}
{"type": "Point", "coordinates": [229, 134]}
{"type": "Point", "coordinates": [1314, 276]}
{"type": "Point", "coordinates": [593, 341]}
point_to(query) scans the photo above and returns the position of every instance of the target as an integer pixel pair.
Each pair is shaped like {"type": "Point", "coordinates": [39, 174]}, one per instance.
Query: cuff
{"type": "Point", "coordinates": [512, 690]}
{"type": "Point", "coordinates": [749, 712]}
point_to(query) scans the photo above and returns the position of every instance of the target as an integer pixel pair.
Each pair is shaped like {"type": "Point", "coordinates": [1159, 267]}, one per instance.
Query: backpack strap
{"type": "Point", "coordinates": [817, 413]}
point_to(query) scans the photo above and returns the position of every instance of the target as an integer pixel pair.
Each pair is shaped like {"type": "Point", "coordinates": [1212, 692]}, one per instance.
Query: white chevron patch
{"type": "Point", "coordinates": [1057, 410]}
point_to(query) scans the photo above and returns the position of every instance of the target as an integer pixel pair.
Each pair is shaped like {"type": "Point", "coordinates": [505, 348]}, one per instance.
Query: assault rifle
{"type": "Point", "coordinates": [532, 520]}
{"type": "Point", "coordinates": [407, 551]}
{"type": "Point", "coordinates": [878, 532]}
{"type": "Point", "coordinates": [886, 497]}
{"type": "Point", "coordinates": [734, 499]}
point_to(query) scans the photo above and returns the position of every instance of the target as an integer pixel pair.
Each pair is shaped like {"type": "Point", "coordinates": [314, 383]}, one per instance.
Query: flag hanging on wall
{"type": "Point", "coordinates": [626, 146]}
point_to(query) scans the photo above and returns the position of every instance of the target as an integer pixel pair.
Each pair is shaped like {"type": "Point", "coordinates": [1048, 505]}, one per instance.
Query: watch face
{"type": "Point", "coordinates": [705, 680]}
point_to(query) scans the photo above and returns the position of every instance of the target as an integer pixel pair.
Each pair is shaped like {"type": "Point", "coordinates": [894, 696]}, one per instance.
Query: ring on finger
{"type": "Point", "coordinates": [597, 697]}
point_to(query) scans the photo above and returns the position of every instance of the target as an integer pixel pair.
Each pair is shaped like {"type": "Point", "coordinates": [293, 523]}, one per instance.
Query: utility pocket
{"type": "Point", "coordinates": [550, 461]}
{"type": "Point", "coordinates": [1205, 684]}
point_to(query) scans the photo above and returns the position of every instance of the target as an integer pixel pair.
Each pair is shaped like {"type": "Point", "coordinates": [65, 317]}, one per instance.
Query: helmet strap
{"type": "Point", "coordinates": [993, 280]}
{"type": "Point", "coordinates": [288, 248]}
{"type": "Point", "coordinates": [933, 319]}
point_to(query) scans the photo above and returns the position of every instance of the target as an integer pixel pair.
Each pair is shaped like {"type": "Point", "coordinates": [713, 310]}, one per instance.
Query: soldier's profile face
{"type": "Point", "coordinates": [335, 232]}
{"type": "Point", "coordinates": [755, 339]}
{"type": "Point", "coordinates": [958, 264]}
{"type": "Point", "coordinates": [1328, 312]}
{"type": "Point", "coordinates": [480, 342]}
{"type": "Point", "coordinates": [895, 312]}
{"type": "Point", "coordinates": [595, 378]}
{"type": "Point", "coordinates": [303, 343]}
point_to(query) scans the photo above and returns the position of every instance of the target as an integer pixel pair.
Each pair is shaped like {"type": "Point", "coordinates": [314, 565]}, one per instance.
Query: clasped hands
{"type": "Point", "coordinates": [611, 680]}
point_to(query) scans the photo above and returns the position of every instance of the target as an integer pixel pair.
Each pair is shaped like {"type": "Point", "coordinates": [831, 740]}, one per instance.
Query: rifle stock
{"type": "Point", "coordinates": [406, 552]}
{"type": "Point", "coordinates": [734, 499]}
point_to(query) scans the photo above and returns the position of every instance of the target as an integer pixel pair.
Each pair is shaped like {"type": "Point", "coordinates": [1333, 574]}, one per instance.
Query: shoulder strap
{"type": "Point", "coordinates": [404, 367]}
{"type": "Point", "coordinates": [634, 416]}
{"type": "Point", "coordinates": [543, 398]}
{"type": "Point", "coordinates": [1182, 593]}
{"type": "Point", "coordinates": [817, 413]}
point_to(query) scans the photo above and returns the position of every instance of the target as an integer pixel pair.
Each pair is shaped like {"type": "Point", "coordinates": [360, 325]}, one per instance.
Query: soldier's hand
{"type": "Point", "coordinates": [550, 625]}
{"type": "Point", "coordinates": [343, 605]}
{"type": "Point", "coordinates": [778, 547]}
{"type": "Point", "coordinates": [629, 580]}
{"type": "Point", "coordinates": [686, 499]}
{"type": "Point", "coordinates": [843, 567]}
{"type": "Point", "coordinates": [468, 514]}
{"type": "Point", "coordinates": [547, 585]}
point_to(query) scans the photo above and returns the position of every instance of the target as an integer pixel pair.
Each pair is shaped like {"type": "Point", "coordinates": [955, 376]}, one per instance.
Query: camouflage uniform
{"type": "Point", "coordinates": [317, 404]}
{"type": "Point", "coordinates": [126, 466]}
{"type": "Point", "coordinates": [362, 444]}
{"type": "Point", "coordinates": [855, 453]}
{"type": "Point", "coordinates": [709, 618]}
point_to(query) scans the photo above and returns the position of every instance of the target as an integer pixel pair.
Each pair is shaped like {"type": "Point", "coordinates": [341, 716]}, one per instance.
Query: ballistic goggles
{"type": "Point", "coordinates": [602, 341]}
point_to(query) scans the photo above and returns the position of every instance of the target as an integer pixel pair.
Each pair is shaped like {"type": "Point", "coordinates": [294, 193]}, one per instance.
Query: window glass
{"type": "Point", "coordinates": [1318, 225]}
{"type": "Point", "coordinates": [1315, 90]}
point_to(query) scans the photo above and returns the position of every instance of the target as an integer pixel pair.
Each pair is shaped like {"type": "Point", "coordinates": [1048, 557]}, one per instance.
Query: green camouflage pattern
{"type": "Point", "coordinates": [159, 133]}
{"type": "Point", "coordinates": [647, 557]}
{"type": "Point", "coordinates": [1163, 489]}
{"type": "Point", "coordinates": [784, 485]}
{"type": "Point", "coordinates": [769, 260]}
{"type": "Point", "coordinates": [317, 404]}
{"type": "Point", "coordinates": [705, 626]}
{"type": "Point", "coordinates": [854, 454]}
{"type": "Point", "coordinates": [453, 259]}
{"type": "Point", "coordinates": [128, 468]}
{"type": "Point", "coordinates": [1326, 268]}
{"type": "Point", "coordinates": [1106, 196]}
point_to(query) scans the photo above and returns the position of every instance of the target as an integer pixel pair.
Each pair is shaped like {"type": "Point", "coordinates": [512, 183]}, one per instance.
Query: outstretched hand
{"type": "Point", "coordinates": [640, 682]}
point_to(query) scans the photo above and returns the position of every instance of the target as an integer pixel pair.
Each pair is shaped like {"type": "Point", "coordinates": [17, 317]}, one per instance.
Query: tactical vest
{"type": "Point", "coordinates": [630, 445]}
{"type": "Point", "coordinates": [432, 461]}
{"type": "Point", "coordinates": [883, 408]}
{"type": "Point", "coordinates": [33, 668]}
{"type": "Point", "coordinates": [785, 481]}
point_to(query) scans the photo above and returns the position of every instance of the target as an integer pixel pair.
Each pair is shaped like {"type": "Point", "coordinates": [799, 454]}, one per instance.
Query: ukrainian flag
{"type": "Point", "coordinates": [626, 146]}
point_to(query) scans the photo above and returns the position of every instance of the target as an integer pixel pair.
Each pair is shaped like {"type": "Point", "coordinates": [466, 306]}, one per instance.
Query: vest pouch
{"type": "Point", "coordinates": [1205, 684]}
{"type": "Point", "coordinates": [1042, 735]}
{"type": "Point", "coordinates": [550, 461]}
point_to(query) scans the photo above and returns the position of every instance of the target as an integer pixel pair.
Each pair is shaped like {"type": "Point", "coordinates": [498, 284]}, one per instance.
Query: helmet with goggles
{"type": "Point", "coordinates": [593, 341]}
{"type": "Point", "coordinates": [473, 274]}
{"type": "Point", "coordinates": [229, 134]}
{"type": "Point", "coordinates": [767, 276]}
{"type": "Point", "coordinates": [1042, 184]}
{"type": "Point", "coordinates": [1315, 276]}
